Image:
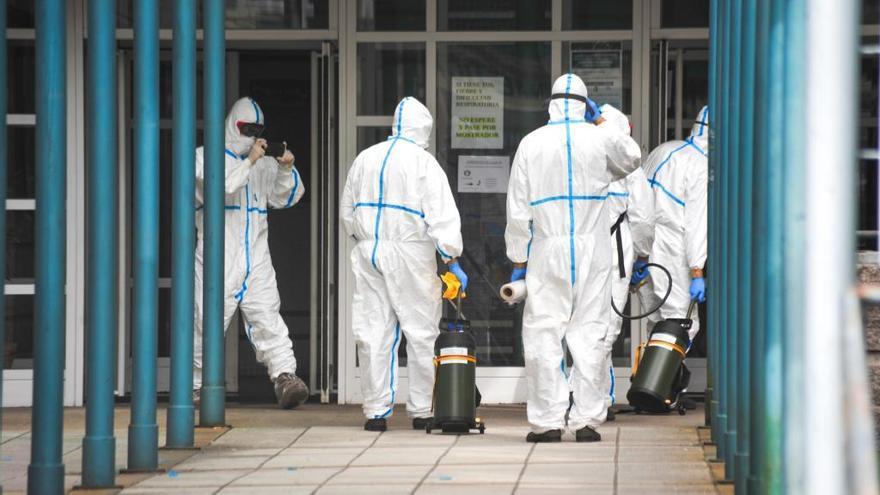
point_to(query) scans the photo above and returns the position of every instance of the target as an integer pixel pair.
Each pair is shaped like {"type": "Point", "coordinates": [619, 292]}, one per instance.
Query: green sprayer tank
{"type": "Point", "coordinates": [660, 375]}
{"type": "Point", "coordinates": [455, 389]}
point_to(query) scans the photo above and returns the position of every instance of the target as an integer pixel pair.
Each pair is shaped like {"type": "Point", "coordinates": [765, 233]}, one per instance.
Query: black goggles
{"type": "Point", "coordinates": [250, 129]}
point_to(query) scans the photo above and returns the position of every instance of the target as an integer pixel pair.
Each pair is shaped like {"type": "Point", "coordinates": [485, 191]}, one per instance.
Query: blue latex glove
{"type": "Point", "coordinates": [639, 272]}
{"type": "Point", "coordinates": [517, 274]}
{"type": "Point", "coordinates": [698, 289]}
{"type": "Point", "coordinates": [592, 112]}
{"type": "Point", "coordinates": [455, 268]}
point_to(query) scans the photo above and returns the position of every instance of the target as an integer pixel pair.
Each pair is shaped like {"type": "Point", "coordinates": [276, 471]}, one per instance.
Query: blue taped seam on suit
{"type": "Point", "coordinates": [393, 363]}
{"type": "Point", "coordinates": [390, 205]}
{"type": "Point", "coordinates": [382, 183]}
{"type": "Point", "coordinates": [295, 187]}
{"type": "Point", "coordinates": [570, 184]}
{"type": "Point", "coordinates": [247, 244]}
{"type": "Point", "coordinates": [675, 198]}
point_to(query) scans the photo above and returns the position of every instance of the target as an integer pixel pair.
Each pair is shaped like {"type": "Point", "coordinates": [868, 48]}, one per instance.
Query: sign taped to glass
{"type": "Point", "coordinates": [478, 112]}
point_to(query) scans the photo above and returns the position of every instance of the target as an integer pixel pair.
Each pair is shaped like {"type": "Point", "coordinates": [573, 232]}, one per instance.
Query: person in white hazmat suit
{"type": "Point", "coordinates": [557, 238]}
{"type": "Point", "coordinates": [630, 206]}
{"type": "Point", "coordinates": [254, 182]}
{"type": "Point", "coordinates": [677, 174]}
{"type": "Point", "coordinates": [398, 206]}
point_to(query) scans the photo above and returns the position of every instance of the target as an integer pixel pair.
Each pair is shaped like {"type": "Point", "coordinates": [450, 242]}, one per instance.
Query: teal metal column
{"type": "Point", "coordinates": [760, 256]}
{"type": "Point", "coordinates": [735, 322]}
{"type": "Point", "coordinates": [747, 113]}
{"type": "Point", "coordinates": [99, 444]}
{"type": "Point", "coordinates": [46, 472]}
{"type": "Point", "coordinates": [719, 123]}
{"type": "Point", "coordinates": [794, 228]}
{"type": "Point", "coordinates": [143, 433]}
{"type": "Point", "coordinates": [711, 265]}
{"type": "Point", "coordinates": [3, 98]}
{"type": "Point", "coordinates": [773, 466]}
{"type": "Point", "coordinates": [180, 410]}
{"type": "Point", "coordinates": [213, 398]}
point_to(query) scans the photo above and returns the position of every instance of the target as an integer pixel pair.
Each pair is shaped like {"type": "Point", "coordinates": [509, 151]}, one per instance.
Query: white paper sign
{"type": "Point", "coordinates": [602, 72]}
{"type": "Point", "coordinates": [478, 112]}
{"type": "Point", "coordinates": [483, 174]}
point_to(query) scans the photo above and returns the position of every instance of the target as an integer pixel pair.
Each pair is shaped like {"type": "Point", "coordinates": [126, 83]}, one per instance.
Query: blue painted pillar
{"type": "Point", "coordinates": [712, 279]}
{"type": "Point", "coordinates": [744, 201]}
{"type": "Point", "coordinates": [213, 398]}
{"type": "Point", "coordinates": [760, 249]}
{"type": "Point", "coordinates": [3, 98]}
{"type": "Point", "coordinates": [46, 472]}
{"type": "Point", "coordinates": [99, 444]}
{"type": "Point", "coordinates": [733, 275]}
{"type": "Point", "coordinates": [180, 410]}
{"type": "Point", "coordinates": [143, 432]}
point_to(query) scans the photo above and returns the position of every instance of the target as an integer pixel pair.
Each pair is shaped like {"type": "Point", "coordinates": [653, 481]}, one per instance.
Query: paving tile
{"type": "Point", "coordinates": [646, 473]}
{"type": "Point", "coordinates": [487, 454]}
{"type": "Point", "coordinates": [496, 489]}
{"type": "Point", "coordinates": [180, 491]}
{"type": "Point", "coordinates": [413, 438]}
{"type": "Point", "coordinates": [659, 436]}
{"type": "Point", "coordinates": [305, 457]}
{"type": "Point", "coordinates": [269, 490]}
{"type": "Point", "coordinates": [230, 451]}
{"type": "Point", "coordinates": [335, 436]}
{"type": "Point", "coordinates": [286, 476]}
{"type": "Point", "coordinates": [258, 437]}
{"type": "Point", "coordinates": [474, 474]}
{"type": "Point", "coordinates": [383, 489]}
{"type": "Point", "coordinates": [578, 474]}
{"type": "Point", "coordinates": [544, 489]}
{"type": "Point", "coordinates": [399, 456]}
{"type": "Point", "coordinates": [176, 479]}
{"type": "Point", "coordinates": [660, 455]}
{"type": "Point", "coordinates": [652, 489]}
{"type": "Point", "coordinates": [380, 475]}
{"type": "Point", "coordinates": [571, 452]}
{"type": "Point", "coordinates": [209, 462]}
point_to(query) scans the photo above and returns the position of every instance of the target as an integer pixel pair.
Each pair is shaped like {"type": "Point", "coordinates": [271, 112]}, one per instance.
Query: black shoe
{"type": "Point", "coordinates": [376, 424]}
{"type": "Point", "coordinates": [549, 436]}
{"type": "Point", "coordinates": [610, 416]}
{"type": "Point", "coordinates": [587, 434]}
{"type": "Point", "coordinates": [290, 391]}
{"type": "Point", "coordinates": [422, 423]}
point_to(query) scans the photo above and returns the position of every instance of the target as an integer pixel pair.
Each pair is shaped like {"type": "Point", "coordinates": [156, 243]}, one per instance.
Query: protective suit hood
{"type": "Point", "coordinates": [700, 130]}
{"type": "Point", "coordinates": [412, 121]}
{"type": "Point", "coordinates": [243, 110]}
{"type": "Point", "coordinates": [568, 108]}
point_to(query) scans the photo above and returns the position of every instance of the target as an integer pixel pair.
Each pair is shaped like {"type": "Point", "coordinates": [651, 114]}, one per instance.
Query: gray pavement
{"type": "Point", "coordinates": [323, 449]}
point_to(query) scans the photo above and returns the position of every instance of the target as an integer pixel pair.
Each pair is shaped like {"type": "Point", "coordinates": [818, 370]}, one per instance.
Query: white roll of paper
{"type": "Point", "coordinates": [514, 292]}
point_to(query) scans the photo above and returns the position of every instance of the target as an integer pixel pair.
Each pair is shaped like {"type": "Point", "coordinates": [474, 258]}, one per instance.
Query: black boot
{"type": "Point", "coordinates": [549, 436]}
{"type": "Point", "coordinates": [376, 424]}
{"type": "Point", "coordinates": [587, 434]}
{"type": "Point", "coordinates": [421, 423]}
{"type": "Point", "coordinates": [290, 391]}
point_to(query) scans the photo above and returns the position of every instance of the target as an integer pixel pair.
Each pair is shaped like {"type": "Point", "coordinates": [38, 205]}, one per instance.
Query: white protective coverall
{"type": "Point", "coordinates": [557, 222]}
{"type": "Point", "coordinates": [398, 206]}
{"type": "Point", "coordinates": [249, 281]}
{"type": "Point", "coordinates": [629, 207]}
{"type": "Point", "coordinates": [677, 173]}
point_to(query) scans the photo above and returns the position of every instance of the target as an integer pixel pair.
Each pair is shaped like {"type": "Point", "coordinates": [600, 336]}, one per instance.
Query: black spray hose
{"type": "Point", "coordinates": [659, 305]}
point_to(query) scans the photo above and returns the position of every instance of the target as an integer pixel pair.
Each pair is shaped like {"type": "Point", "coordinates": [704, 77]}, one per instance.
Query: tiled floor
{"type": "Point", "coordinates": [638, 454]}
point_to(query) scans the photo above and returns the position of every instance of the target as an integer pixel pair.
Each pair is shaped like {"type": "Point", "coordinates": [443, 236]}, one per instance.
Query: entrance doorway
{"type": "Point", "coordinates": [292, 87]}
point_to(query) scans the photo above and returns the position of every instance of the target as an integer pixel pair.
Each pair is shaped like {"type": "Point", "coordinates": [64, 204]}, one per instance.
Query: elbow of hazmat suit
{"type": "Point", "coordinates": [399, 208]}
{"type": "Point", "coordinates": [557, 222]}
{"type": "Point", "coordinates": [677, 173]}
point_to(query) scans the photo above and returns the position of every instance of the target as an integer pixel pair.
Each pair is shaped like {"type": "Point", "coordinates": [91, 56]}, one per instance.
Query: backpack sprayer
{"type": "Point", "coordinates": [455, 365]}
